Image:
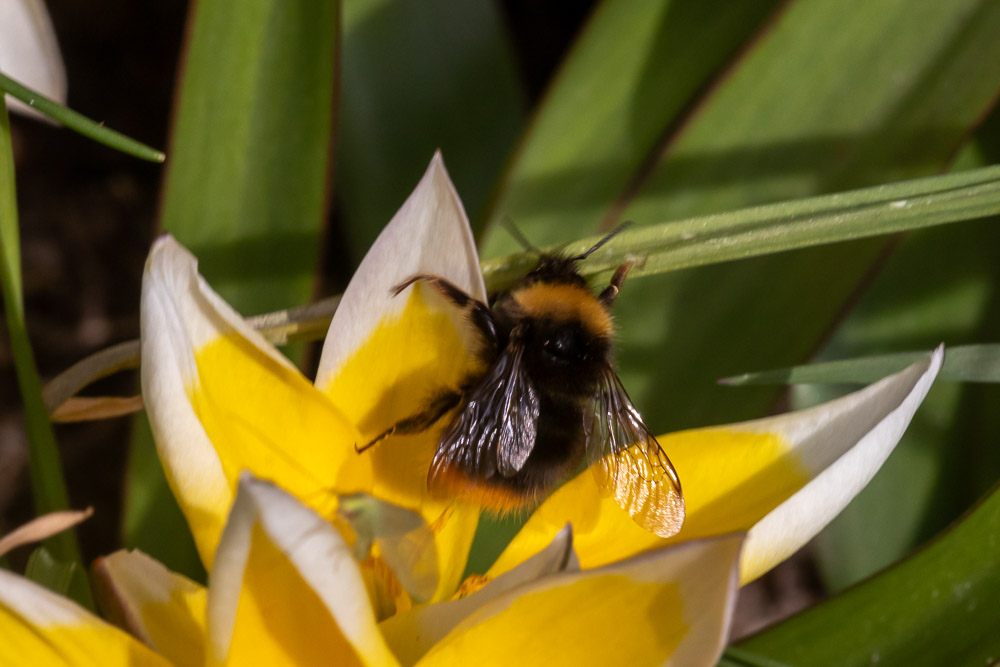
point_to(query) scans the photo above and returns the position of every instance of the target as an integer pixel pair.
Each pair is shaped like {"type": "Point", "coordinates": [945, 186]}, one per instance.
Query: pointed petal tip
{"type": "Point", "coordinates": [873, 420]}
{"type": "Point", "coordinates": [937, 357]}
{"type": "Point", "coordinates": [168, 250]}
{"type": "Point", "coordinates": [429, 234]}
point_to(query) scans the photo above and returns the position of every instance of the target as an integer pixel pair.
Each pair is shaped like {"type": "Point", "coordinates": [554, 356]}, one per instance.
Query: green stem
{"type": "Point", "coordinates": [79, 123]}
{"type": "Point", "coordinates": [47, 484]}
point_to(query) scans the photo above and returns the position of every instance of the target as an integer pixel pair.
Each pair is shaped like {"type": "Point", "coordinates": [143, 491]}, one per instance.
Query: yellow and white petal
{"type": "Point", "coordinates": [875, 418]}
{"type": "Point", "coordinates": [430, 234]}
{"type": "Point", "coordinates": [386, 356]}
{"type": "Point", "coordinates": [164, 609]}
{"type": "Point", "coordinates": [39, 627]}
{"type": "Point", "coordinates": [221, 399]}
{"type": "Point", "coordinates": [670, 606]}
{"type": "Point", "coordinates": [413, 633]}
{"type": "Point", "coordinates": [286, 588]}
{"type": "Point", "coordinates": [29, 52]}
{"type": "Point", "coordinates": [781, 478]}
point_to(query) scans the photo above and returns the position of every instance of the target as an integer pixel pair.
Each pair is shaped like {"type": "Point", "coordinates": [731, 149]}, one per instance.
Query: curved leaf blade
{"type": "Point", "coordinates": [937, 607]}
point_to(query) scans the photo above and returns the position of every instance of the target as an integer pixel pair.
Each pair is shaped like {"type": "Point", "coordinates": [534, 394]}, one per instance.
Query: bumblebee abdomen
{"type": "Point", "coordinates": [558, 450]}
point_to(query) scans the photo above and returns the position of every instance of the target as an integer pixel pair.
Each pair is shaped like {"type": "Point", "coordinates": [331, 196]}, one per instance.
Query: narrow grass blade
{"type": "Point", "coordinates": [79, 123]}
{"type": "Point", "coordinates": [771, 228]}
{"type": "Point", "coordinates": [964, 363]}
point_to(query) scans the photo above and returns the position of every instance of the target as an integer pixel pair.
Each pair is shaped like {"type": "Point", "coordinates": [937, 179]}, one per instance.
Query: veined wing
{"type": "Point", "coordinates": [629, 463]}
{"type": "Point", "coordinates": [495, 429]}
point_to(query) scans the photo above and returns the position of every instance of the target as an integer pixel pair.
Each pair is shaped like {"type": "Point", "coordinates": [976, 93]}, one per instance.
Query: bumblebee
{"type": "Point", "coordinates": [545, 398]}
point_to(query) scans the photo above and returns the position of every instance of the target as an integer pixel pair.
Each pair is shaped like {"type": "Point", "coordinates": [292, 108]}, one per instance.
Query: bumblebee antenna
{"type": "Point", "coordinates": [509, 225]}
{"type": "Point", "coordinates": [614, 232]}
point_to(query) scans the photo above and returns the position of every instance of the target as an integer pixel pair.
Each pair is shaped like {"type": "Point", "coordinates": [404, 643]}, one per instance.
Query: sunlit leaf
{"type": "Point", "coordinates": [246, 185]}
{"type": "Point", "coordinates": [626, 83]}
{"type": "Point", "coordinates": [891, 93]}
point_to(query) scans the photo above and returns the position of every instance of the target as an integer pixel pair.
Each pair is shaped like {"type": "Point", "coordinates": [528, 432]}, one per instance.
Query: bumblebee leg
{"type": "Point", "coordinates": [478, 312]}
{"type": "Point", "coordinates": [610, 292]}
{"type": "Point", "coordinates": [419, 422]}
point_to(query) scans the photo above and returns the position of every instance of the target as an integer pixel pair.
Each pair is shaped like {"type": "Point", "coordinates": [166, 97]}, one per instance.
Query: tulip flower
{"type": "Point", "coordinates": [320, 554]}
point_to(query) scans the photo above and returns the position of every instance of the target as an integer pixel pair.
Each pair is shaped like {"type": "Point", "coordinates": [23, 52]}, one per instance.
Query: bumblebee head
{"type": "Point", "coordinates": [554, 268]}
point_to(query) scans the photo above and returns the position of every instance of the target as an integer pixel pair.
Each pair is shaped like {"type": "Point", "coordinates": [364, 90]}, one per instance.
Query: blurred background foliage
{"type": "Point", "coordinates": [297, 131]}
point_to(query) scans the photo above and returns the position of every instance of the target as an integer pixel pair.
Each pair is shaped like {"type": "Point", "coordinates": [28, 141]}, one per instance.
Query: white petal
{"type": "Point", "coordinates": [29, 52]}
{"type": "Point", "coordinates": [176, 318]}
{"type": "Point", "coordinates": [181, 318]}
{"type": "Point", "coordinates": [782, 479]}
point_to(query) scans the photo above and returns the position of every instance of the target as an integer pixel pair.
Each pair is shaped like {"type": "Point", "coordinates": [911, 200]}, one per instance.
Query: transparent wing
{"type": "Point", "coordinates": [629, 463]}
{"type": "Point", "coordinates": [495, 428]}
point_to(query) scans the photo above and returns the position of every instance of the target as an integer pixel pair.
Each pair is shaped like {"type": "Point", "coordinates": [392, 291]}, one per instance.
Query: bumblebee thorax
{"type": "Point", "coordinates": [564, 303]}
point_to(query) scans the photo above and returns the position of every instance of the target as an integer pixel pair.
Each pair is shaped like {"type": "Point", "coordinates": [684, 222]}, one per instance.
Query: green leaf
{"type": "Point", "coordinates": [634, 70]}
{"type": "Point", "coordinates": [45, 569]}
{"type": "Point", "coordinates": [737, 657]}
{"type": "Point", "coordinates": [964, 363]}
{"type": "Point", "coordinates": [418, 77]}
{"type": "Point", "coordinates": [48, 487]}
{"type": "Point", "coordinates": [246, 185]}
{"type": "Point", "coordinates": [807, 109]}
{"type": "Point", "coordinates": [938, 607]}
{"type": "Point", "coordinates": [79, 123]}
{"type": "Point", "coordinates": [247, 179]}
